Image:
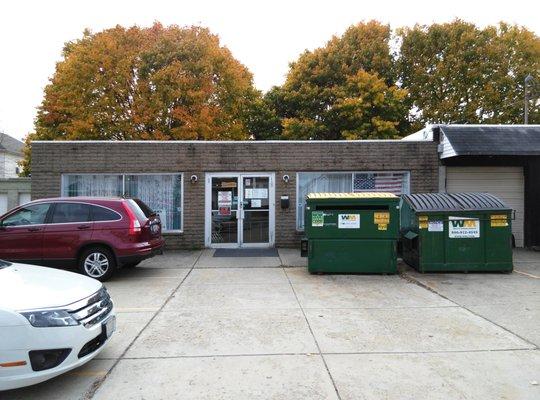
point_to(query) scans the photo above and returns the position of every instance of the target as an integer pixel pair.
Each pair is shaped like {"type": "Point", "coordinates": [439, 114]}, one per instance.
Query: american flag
{"type": "Point", "coordinates": [378, 182]}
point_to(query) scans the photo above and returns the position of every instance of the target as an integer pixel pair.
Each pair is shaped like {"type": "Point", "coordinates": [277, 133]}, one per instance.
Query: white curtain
{"type": "Point", "coordinates": [314, 182]}
{"type": "Point", "coordinates": [162, 193]}
{"type": "Point", "coordinates": [93, 185]}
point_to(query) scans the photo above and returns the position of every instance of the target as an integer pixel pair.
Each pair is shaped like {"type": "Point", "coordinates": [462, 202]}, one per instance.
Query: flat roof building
{"type": "Point", "coordinates": [231, 194]}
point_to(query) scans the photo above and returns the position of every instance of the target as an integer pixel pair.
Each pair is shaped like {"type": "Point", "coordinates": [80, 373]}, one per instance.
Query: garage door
{"type": "Point", "coordinates": [3, 203]}
{"type": "Point", "coordinates": [503, 182]}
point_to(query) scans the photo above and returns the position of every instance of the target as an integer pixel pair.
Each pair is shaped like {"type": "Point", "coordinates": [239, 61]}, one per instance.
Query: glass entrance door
{"type": "Point", "coordinates": [224, 210]}
{"type": "Point", "coordinates": [240, 210]}
{"type": "Point", "coordinates": [255, 209]}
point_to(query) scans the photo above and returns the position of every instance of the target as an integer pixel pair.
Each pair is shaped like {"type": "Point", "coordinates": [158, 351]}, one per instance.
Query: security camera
{"type": "Point", "coordinates": [286, 178]}
{"type": "Point", "coordinates": [193, 178]}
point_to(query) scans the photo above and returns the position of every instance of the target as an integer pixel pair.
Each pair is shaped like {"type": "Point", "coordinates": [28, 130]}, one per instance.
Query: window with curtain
{"type": "Point", "coordinates": [92, 185]}
{"type": "Point", "coordinates": [343, 182]}
{"type": "Point", "coordinates": [319, 182]}
{"type": "Point", "coordinates": [161, 192]}
{"type": "Point", "coordinates": [391, 182]}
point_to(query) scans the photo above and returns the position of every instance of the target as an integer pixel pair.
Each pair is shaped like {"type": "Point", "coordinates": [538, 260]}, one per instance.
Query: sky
{"type": "Point", "coordinates": [264, 35]}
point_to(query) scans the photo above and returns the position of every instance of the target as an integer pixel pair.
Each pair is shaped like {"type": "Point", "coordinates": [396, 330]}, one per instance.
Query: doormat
{"type": "Point", "coordinates": [246, 253]}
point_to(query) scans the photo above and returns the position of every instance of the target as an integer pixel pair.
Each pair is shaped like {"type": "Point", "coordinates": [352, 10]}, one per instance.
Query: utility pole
{"type": "Point", "coordinates": [528, 80]}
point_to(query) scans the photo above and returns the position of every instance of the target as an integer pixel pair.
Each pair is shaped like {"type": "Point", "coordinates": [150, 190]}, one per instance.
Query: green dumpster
{"type": "Point", "coordinates": [456, 232]}
{"type": "Point", "coordinates": [352, 232]}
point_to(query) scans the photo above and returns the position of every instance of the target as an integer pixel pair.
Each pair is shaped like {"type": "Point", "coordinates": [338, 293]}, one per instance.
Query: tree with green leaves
{"type": "Point", "coordinates": [459, 73]}
{"type": "Point", "coordinates": [344, 90]}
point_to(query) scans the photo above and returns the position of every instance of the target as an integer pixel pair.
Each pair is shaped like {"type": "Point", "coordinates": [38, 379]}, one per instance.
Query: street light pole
{"type": "Point", "coordinates": [528, 79]}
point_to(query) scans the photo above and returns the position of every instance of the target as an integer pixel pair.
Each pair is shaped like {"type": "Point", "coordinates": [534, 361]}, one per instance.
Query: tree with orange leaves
{"type": "Point", "coordinates": [158, 83]}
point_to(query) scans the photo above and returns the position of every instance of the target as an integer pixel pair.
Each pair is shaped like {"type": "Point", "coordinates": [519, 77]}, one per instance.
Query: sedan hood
{"type": "Point", "coordinates": [26, 287]}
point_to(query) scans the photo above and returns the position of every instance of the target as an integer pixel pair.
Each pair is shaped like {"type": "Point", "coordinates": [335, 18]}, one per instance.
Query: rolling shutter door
{"type": "Point", "coordinates": [507, 183]}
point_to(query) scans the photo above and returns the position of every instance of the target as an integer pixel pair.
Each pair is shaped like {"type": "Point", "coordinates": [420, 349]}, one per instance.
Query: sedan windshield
{"type": "Point", "coordinates": [4, 264]}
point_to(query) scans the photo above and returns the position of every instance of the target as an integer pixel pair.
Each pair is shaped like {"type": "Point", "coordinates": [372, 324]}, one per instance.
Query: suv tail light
{"type": "Point", "coordinates": [134, 224]}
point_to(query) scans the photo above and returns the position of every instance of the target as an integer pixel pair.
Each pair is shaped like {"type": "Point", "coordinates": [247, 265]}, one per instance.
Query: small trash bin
{"type": "Point", "coordinates": [456, 232]}
{"type": "Point", "coordinates": [352, 232]}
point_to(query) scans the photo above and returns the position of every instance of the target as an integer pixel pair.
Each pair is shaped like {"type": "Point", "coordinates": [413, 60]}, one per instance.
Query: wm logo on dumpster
{"type": "Point", "coordinates": [349, 221]}
{"type": "Point", "coordinates": [459, 227]}
{"type": "Point", "coordinates": [464, 223]}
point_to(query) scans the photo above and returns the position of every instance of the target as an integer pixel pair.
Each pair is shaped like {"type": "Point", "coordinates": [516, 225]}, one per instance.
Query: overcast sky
{"type": "Point", "coordinates": [264, 35]}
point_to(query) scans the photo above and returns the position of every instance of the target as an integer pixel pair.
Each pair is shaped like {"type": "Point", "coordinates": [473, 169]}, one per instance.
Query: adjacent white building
{"type": "Point", "coordinates": [13, 189]}
{"type": "Point", "coordinates": [10, 155]}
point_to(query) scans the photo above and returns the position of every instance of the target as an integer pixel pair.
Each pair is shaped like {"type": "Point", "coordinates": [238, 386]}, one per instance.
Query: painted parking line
{"type": "Point", "coordinates": [526, 274]}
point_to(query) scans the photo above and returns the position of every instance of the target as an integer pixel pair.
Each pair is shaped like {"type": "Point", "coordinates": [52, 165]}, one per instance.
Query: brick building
{"type": "Point", "coordinates": [230, 194]}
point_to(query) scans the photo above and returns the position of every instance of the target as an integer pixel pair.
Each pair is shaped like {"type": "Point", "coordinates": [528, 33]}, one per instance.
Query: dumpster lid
{"type": "Point", "coordinates": [362, 195]}
{"type": "Point", "coordinates": [430, 202]}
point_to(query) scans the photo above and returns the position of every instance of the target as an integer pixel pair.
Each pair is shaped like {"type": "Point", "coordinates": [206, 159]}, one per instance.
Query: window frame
{"type": "Point", "coordinates": [406, 174]}
{"type": "Point", "coordinates": [124, 174]}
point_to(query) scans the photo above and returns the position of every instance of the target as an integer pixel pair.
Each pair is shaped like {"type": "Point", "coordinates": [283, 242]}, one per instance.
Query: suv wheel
{"type": "Point", "coordinates": [97, 263]}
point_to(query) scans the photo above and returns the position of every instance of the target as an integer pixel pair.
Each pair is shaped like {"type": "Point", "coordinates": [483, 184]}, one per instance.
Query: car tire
{"type": "Point", "coordinates": [97, 262]}
{"type": "Point", "coordinates": [131, 265]}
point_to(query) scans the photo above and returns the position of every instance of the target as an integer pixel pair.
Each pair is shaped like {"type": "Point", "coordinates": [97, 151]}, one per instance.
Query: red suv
{"type": "Point", "coordinates": [96, 235]}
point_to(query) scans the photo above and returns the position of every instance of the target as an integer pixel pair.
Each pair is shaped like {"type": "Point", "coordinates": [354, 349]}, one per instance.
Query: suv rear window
{"type": "Point", "coordinates": [142, 213]}
{"type": "Point", "coordinates": [148, 212]}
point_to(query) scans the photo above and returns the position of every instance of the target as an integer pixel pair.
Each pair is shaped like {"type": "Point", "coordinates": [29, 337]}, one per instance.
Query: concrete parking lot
{"type": "Point", "coordinates": [193, 326]}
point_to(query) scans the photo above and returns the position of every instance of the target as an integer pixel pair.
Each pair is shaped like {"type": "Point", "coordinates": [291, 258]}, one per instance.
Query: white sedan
{"type": "Point", "coordinates": [51, 321]}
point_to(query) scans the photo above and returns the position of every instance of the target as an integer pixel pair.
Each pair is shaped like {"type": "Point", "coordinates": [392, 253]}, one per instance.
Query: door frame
{"type": "Point", "coordinates": [208, 208]}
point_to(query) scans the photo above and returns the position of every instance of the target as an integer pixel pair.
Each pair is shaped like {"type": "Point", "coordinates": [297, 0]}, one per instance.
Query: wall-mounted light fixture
{"type": "Point", "coordinates": [193, 178]}
{"type": "Point", "coordinates": [286, 178]}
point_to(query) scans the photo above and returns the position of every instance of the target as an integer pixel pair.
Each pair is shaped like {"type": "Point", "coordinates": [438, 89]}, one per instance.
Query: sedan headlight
{"type": "Point", "coordinates": [49, 318]}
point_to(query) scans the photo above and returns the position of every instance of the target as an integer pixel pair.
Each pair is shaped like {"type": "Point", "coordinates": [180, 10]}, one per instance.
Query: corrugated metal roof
{"type": "Point", "coordinates": [429, 202]}
{"type": "Point", "coordinates": [364, 195]}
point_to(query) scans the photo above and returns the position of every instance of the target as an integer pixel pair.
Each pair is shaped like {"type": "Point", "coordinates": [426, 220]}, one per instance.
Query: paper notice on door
{"type": "Point", "coordinates": [261, 193]}
{"type": "Point", "coordinates": [256, 203]}
{"type": "Point", "coordinates": [224, 198]}
{"type": "Point", "coordinates": [224, 202]}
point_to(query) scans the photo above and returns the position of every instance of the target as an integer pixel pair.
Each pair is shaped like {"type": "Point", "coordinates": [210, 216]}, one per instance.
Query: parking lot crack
{"type": "Point", "coordinates": [89, 394]}
{"type": "Point", "coordinates": [320, 353]}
